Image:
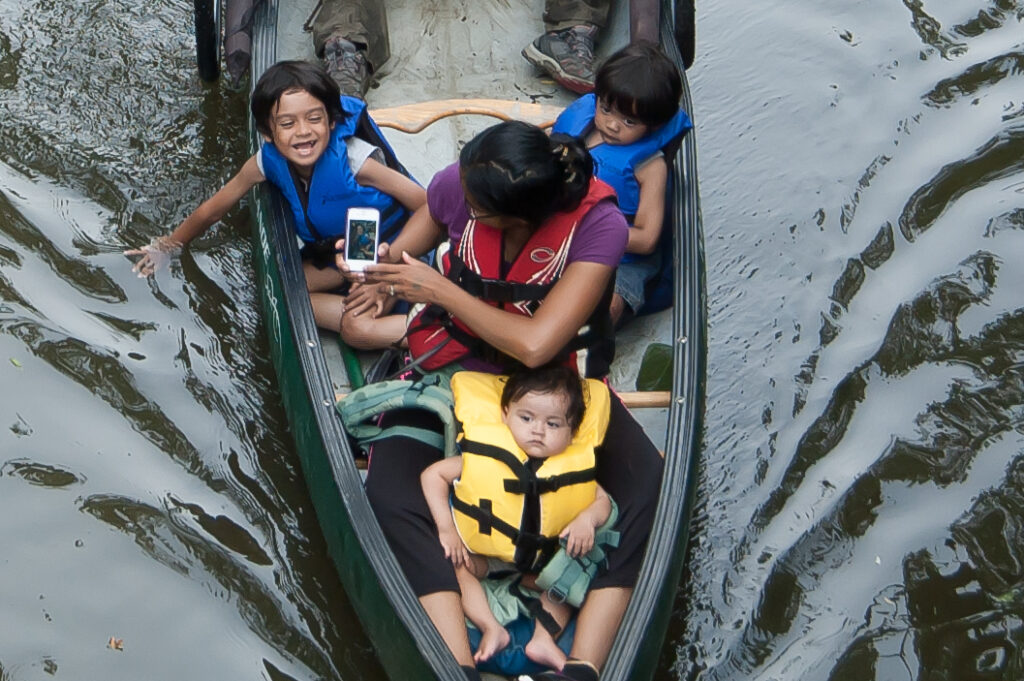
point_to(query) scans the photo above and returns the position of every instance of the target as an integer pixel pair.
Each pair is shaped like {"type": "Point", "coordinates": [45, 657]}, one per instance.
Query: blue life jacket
{"type": "Point", "coordinates": [616, 163]}
{"type": "Point", "coordinates": [333, 187]}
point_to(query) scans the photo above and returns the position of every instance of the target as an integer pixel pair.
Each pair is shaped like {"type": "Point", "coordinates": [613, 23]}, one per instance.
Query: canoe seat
{"type": "Point", "coordinates": [412, 118]}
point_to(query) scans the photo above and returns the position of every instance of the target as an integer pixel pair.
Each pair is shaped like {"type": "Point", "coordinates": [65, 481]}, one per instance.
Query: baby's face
{"type": "Point", "coordinates": [538, 423]}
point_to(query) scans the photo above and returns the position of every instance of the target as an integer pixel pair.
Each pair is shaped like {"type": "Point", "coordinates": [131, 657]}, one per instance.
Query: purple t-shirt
{"type": "Point", "coordinates": [600, 237]}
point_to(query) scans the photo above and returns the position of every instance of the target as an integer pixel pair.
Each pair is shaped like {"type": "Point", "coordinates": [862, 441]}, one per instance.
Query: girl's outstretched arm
{"type": "Point", "coordinates": [209, 212]}
{"type": "Point", "coordinates": [393, 183]}
{"type": "Point", "coordinates": [650, 214]}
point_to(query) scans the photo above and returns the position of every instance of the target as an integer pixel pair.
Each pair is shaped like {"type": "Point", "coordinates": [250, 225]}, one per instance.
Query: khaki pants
{"type": "Point", "coordinates": [365, 22]}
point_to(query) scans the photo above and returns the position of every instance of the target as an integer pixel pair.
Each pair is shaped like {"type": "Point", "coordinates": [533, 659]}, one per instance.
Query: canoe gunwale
{"type": "Point", "coordinates": [275, 250]}
{"type": "Point", "coordinates": [408, 645]}
{"type": "Point", "coordinates": [635, 651]}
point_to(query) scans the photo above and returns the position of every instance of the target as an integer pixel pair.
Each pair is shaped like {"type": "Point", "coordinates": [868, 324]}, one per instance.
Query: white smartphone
{"type": "Point", "coordinates": [362, 236]}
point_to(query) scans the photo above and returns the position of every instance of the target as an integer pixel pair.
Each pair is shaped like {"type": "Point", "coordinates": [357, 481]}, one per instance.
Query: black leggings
{"type": "Point", "coordinates": [629, 468]}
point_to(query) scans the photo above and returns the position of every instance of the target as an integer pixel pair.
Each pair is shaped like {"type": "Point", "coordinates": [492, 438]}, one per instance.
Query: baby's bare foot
{"type": "Point", "coordinates": [544, 651]}
{"type": "Point", "coordinates": [492, 640]}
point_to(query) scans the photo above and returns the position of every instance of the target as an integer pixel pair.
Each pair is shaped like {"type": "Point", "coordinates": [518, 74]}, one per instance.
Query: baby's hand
{"type": "Point", "coordinates": [579, 536]}
{"type": "Point", "coordinates": [155, 255]}
{"type": "Point", "coordinates": [454, 549]}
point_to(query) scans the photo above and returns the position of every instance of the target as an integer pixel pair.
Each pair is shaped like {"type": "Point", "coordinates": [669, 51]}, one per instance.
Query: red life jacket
{"type": "Point", "coordinates": [475, 264]}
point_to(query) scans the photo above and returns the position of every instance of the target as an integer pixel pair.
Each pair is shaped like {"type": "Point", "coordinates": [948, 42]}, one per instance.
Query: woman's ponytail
{"type": "Point", "coordinates": [577, 168]}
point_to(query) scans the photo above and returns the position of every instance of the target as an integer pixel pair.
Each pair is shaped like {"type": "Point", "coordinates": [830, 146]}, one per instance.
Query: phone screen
{"type": "Point", "coordinates": [361, 239]}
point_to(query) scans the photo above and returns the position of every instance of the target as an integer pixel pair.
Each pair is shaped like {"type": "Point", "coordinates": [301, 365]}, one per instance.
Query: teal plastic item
{"type": "Point", "coordinates": [361, 409]}
{"type": "Point", "coordinates": [566, 579]}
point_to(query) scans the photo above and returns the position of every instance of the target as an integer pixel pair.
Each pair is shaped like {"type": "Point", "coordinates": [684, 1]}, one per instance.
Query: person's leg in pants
{"type": "Point", "coordinates": [362, 22]}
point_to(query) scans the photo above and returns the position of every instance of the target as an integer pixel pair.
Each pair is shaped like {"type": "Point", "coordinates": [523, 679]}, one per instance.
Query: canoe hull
{"type": "Point", "coordinates": [407, 644]}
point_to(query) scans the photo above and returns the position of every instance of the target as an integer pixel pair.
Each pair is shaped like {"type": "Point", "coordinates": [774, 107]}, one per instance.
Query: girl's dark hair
{"type": "Point", "coordinates": [550, 378]}
{"type": "Point", "coordinates": [514, 169]}
{"type": "Point", "coordinates": [641, 82]}
{"type": "Point", "coordinates": [285, 76]}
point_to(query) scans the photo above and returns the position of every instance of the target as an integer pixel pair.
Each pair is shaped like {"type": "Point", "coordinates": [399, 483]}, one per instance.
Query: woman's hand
{"type": "Point", "coordinates": [411, 280]}
{"type": "Point", "coordinates": [155, 255]}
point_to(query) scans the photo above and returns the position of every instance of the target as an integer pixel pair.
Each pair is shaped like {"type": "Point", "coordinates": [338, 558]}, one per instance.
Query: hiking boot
{"type": "Point", "coordinates": [347, 65]}
{"type": "Point", "coordinates": [567, 55]}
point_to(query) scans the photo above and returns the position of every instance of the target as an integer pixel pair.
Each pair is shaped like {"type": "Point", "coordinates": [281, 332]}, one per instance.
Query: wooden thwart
{"type": "Point", "coordinates": [634, 399]}
{"type": "Point", "coordinates": [412, 118]}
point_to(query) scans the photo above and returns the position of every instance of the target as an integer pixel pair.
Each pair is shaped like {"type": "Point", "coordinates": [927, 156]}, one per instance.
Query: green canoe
{"type": "Point", "coordinates": [308, 369]}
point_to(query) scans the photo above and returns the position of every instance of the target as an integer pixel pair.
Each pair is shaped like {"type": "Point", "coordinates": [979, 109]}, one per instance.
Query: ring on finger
{"type": "Point", "coordinates": [391, 289]}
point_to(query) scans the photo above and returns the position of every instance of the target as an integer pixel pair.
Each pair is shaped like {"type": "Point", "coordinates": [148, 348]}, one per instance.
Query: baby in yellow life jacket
{"type": "Point", "coordinates": [525, 479]}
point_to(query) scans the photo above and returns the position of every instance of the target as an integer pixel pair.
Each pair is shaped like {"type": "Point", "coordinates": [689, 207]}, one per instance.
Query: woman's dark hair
{"type": "Point", "coordinates": [515, 170]}
{"type": "Point", "coordinates": [641, 82]}
{"type": "Point", "coordinates": [285, 76]}
{"type": "Point", "coordinates": [550, 378]}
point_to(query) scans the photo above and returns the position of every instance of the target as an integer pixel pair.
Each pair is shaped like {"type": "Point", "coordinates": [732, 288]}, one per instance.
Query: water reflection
{"type": "Point", "coordinates": [861, 508]}
{"type": "Point", "coordinates": [845, 541]}
{"type": "Point", "coordinates": [148, 483]}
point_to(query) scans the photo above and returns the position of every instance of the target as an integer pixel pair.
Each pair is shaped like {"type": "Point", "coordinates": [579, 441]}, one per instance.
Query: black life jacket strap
{"type": "Point", "coordinates": [527, 482]}
{"type": "Point", "coordinates": [532, 549]}
{"type": "Point", "coordinates": [493, 290]}
{"type": "Point", "coordinates": [535, 608]}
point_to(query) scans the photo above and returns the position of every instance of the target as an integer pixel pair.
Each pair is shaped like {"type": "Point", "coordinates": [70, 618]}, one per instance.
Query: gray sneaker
{"type": "Point", "coordinates": [347, 65]}
{"type": "Point", "coordinates": [567, 55]}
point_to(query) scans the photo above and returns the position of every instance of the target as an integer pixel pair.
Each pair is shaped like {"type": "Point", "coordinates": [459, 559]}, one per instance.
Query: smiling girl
{"type": "Point", "coordinates": [316, 152]}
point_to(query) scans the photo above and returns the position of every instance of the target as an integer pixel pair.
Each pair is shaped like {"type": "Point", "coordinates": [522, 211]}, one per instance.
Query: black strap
{"type": "Point", "coordinates": [531, 549]}
{"type": "Point", "coordinates": [526, 481]}
{"type": "Point", "coordinates": [493, 290]}
{"type": "Point", "coordinates": [536, 609]}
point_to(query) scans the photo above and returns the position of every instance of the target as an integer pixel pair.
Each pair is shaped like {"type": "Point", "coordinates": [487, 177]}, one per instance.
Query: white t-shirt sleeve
{"type": "Point", "coordinates": [360, 150]}
{"type": "Point", "coordinates": [657, 154]}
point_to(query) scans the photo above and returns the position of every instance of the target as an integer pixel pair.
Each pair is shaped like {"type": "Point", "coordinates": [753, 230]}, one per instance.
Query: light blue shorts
{"type": "Point", "coordinates": [631, 278]}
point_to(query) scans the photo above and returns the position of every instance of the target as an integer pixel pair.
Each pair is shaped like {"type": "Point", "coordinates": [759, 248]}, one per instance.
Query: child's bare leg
{"type": "Point", "coordinates": [319, 280]}
{"type": "Point", "coordinates": [494, 637]}
{"type": "Point", "coordinates": [542, 647]}
{"type": "Point", "coordinates": [616, 308]}
{"type": "Point", "coordinates": [328, 308]}
{"type": "Point", "coordinates": [366, 333]}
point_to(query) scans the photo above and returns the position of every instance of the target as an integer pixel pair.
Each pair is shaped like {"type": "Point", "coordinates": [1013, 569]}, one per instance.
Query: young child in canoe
{"type": "Point", "coordinates": [632, 116]}
{"type": "Point", "coordinates": [316, 152]}
{"type": "Point", "coordinates": [525, 479]}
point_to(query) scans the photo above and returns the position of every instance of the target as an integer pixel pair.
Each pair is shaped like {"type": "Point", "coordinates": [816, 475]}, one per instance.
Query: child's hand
{"type": "Point", "coordinates": [342, 264]}
{"type": "Point", "coordinates": [365, 297]}
{"type": "Point", "coordinates": [579, 536]}
{"type": "Point", "coordinates": [454, 549]}
{"type": "Point", "coordinates": [155, 255]}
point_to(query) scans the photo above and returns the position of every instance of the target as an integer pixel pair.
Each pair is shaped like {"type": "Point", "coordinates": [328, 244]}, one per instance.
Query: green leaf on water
{"type": "Point", "coordinates": [655, 368]}
{"type": "Point", "coordinates": [15, 362]}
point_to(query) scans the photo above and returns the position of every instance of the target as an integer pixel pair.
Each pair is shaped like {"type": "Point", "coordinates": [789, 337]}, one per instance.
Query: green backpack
{"type": "Point", "coordinates": [565, 578]}
{"type": "Point", "coordinates": [361, 409]}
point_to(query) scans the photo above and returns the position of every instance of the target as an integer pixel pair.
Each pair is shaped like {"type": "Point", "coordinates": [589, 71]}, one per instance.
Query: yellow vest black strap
{"type": "Point", "coordinates": [526, 481]}
{"type": "Point", "coordinates": [532, 550]}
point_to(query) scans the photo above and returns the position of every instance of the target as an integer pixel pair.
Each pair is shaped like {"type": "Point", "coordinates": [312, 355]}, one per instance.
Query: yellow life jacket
{"type": "Point", "coordinates": [491, 496]}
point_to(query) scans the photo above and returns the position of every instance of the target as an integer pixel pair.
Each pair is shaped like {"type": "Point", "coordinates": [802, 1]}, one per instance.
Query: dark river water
{"type": "Point", "coordinates": [861, 502]}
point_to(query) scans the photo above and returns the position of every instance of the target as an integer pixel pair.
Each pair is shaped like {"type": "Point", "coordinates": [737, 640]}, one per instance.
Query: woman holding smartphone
{"type": "Point", "coordinates": [528, 242]}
